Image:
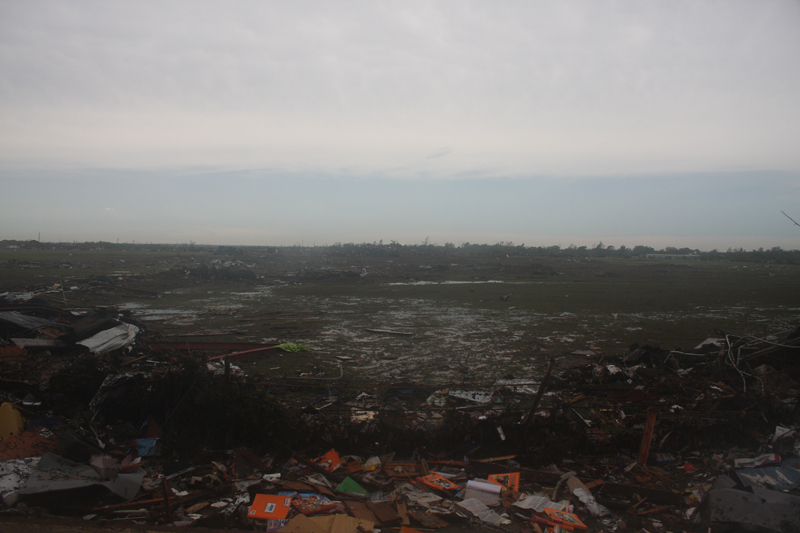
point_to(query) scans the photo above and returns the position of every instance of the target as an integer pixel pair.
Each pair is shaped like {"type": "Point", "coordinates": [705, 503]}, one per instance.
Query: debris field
{"type": "Point", "coordinates": [387, 387]}
{"type": "Point", "coordinates": [102, 420]}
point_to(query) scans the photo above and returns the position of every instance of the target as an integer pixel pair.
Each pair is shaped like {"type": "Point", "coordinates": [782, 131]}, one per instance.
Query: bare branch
{"type": "Point", "coordinates": [790, 218]}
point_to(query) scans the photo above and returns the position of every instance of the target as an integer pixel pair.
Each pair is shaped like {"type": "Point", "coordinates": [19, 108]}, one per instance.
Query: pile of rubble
{"type": "Point", "coordinates": [102, 422]}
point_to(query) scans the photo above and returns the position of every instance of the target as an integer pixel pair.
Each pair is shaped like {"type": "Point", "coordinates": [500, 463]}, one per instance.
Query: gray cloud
{"type": "Point", "coordinates": [553, 88]}
{"type": "Point", "coordinates": [441, 152]}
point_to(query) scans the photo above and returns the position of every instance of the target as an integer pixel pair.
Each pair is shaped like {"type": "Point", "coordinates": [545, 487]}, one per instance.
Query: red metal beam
{"type": "Point", "coordinates": [238, 356]}
{"type": "Point", "coordinates": [200, 346]}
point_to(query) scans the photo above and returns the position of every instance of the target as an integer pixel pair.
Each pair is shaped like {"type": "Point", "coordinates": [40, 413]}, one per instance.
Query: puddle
{"type": "Point", "coordinates": [259, 292]}
{"type": "Point", "coordinates": [163, 314]}
{"type": "Point", "coordinates": [415, 283]}
{"type": "Point", "coordinates": [132, 305]}
{"type": "Point", "coordinates": [146, 314]}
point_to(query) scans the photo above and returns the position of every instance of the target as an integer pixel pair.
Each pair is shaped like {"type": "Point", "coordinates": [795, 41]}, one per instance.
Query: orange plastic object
{"type": "Point", "coordinates": [269, 507]}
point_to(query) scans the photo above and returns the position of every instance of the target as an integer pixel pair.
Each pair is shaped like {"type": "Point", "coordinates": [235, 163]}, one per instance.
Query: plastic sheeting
{"type": "Point", "coordinates": [55, 473]}
{"type": "Point", "coordinates": [111, 339]}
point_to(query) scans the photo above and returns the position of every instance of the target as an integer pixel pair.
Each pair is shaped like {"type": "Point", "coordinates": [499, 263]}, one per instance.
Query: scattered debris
{"type": "Point", "coordinates": [110, 424]}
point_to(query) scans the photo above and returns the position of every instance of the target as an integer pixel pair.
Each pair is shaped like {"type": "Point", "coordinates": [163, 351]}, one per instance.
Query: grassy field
{"type": "Point", "coordinates": [467, 318]}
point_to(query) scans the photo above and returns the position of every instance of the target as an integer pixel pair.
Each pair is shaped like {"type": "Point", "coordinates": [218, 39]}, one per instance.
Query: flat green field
{"type": "Point", "coordinates": [447, 316]}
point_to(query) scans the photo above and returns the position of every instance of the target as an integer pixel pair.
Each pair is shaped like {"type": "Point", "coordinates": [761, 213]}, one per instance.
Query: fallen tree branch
{"type": "Point", "coordinates": [790, 218]}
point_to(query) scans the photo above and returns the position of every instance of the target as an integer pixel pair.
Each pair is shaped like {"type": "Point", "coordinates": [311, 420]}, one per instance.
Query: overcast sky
{"type": "Point", "coordinates": [661, 123]}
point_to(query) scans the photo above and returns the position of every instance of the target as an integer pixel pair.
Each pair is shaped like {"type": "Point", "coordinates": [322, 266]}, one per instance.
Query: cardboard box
{"type": "Point", "coordinates": [509, 481]}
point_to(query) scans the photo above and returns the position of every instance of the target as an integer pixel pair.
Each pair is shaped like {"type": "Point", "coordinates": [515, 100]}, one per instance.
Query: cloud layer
{"type": "Point", "coordinates": [519, 88]}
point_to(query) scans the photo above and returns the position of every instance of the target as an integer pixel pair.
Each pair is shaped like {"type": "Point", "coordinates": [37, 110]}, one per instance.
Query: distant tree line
{"type": "Point", "coordinates": [426, 248]}
{"type": "Point", "coordinates": [509, 249]}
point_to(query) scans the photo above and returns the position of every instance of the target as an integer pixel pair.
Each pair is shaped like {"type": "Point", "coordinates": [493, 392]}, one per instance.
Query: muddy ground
{"type": "Point", "coordinates": [446, 315]}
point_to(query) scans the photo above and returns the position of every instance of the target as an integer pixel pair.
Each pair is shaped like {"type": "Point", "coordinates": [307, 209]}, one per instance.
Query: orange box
{"type": "Point", "coordinates": [564, 519]}
{"type": "Point", "coordinates": [509, 481]}
{"type": "Point", "coordinates": [437, 481]}
{"type": "Point", "coordinates": [270, 507]}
